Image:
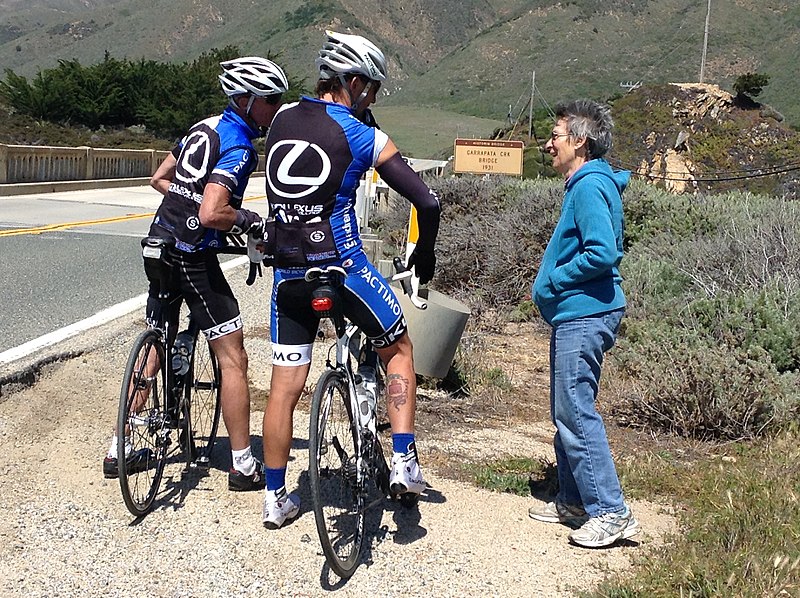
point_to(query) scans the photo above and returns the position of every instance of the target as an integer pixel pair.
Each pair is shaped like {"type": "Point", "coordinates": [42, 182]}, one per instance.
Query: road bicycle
{"type": "Point", "coordinates": [348, 472]}
{"type": "Point", "coordinates": [169, 388]}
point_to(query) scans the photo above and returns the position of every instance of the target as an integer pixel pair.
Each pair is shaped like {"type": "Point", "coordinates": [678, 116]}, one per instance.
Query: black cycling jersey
{"type": "Point", "coordinates": [219, 151]}
{"type": "Point", "coordinates": [216, 150]}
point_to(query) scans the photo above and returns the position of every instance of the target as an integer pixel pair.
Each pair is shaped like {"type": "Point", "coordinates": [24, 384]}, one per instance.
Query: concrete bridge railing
{"type": "Point", "coordinates": [38, 164]}
{"type": "Point", "coordinates": [44, 168]}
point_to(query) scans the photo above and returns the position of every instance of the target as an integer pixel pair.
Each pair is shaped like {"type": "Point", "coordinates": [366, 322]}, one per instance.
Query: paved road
{"type": "Point", "coordinates": [67, 256]}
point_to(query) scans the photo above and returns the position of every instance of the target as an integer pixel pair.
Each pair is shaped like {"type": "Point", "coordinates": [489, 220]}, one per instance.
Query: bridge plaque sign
{"type": "Point", "coordinates": [488, 156]}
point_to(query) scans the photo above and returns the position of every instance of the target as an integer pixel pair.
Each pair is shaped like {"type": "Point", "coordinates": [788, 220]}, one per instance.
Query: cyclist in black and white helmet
{"type": "Point", "coordinates": [203, 181]}
{"type": "Point", "coordinates": [250, 78]}
{"type": "Point", "coordinates": [316, 154]}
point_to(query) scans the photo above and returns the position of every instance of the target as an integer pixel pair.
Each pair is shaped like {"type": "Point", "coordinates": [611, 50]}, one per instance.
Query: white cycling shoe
{"type": "Point", "coordinates": [279, 507]}
{"type": "Point", "coordinates": [406, 476]}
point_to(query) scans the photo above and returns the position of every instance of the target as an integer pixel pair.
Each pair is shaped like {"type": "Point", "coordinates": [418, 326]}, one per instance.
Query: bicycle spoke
{"type": "Point", "coordinates": [202, 404]}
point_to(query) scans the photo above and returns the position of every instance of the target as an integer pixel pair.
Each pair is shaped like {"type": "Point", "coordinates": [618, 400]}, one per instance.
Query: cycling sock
{"type": "Point", "coordinates": [402, 443]}
{"type": "Point", "coordinates": [275, 478]}
{"type": "Point", "coordinates": [112, 450]}
{"type": "Point", "coordinates": [243, 461]}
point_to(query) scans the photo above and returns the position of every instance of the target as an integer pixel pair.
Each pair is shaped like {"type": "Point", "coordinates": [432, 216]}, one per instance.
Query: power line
{"type": "Point", "coordinates": [756, 169]}
{"type": "Point", "coordinates": [781, 170]}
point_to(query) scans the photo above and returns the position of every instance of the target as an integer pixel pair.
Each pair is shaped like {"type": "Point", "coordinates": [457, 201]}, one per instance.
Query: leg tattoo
{"type": "Point", "coordinates": [397, 390]}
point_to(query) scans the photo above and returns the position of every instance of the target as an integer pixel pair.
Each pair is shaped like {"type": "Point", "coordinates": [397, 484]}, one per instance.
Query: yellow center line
{"type": "Point", "coordinates": [37, 230]}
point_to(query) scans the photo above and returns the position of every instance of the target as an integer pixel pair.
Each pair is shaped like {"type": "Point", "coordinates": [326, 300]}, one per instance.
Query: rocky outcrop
{"type": "Point", "coordinates": [699, 137]}
{"type": "Point", "coordinates": [699, 101]}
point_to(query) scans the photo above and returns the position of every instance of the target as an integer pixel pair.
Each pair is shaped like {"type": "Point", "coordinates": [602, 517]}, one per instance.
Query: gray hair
{"type": "Point", "coordinates": [586, 118]}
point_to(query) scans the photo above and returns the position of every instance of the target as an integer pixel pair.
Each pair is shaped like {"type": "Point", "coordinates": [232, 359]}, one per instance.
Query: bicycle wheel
{"type": "Point", "coordinates": [201, 404]}
{"type": "Point", "coordinates": [338, 502]}
{"type": "Point", "coordinates": [141, 432]}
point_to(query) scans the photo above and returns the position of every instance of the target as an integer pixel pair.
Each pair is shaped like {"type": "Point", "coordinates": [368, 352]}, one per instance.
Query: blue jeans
{"type": "Point", "coordinates": [586, 472]}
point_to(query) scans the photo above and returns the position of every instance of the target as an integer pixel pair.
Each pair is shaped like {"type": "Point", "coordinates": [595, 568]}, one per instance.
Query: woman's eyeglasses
{"type": "Point", "coordinates": [554, 135]}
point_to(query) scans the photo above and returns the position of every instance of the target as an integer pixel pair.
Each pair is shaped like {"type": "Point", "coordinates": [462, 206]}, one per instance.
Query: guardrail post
{"type": "Point", "coordinates": [3, 163]}
{"type": "Point", "coordinates": [89, 152]}
{"type": "Point", "coordinates": [153, 164]}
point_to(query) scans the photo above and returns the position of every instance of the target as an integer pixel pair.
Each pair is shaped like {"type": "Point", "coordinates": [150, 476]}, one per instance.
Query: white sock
{"type": "Point", "coordinates": [243, 461]}
{"type": "Point", "coordinates": [112, 450]}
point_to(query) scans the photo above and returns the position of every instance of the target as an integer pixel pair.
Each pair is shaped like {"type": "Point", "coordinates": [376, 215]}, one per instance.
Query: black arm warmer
{"type": "Point", "coordinates": [399, 176]}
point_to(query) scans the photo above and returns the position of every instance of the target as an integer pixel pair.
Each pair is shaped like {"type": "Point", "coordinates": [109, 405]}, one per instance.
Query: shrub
{"type": "Point", "coordinates": [687, 383]}
{"type": "Point", "coordinates": [491, 239]}
{"type": "Point", "coordinates": [711, 344]}
{"type": "Point", "coordinates": [654, 285]}
{"type": "Point", "coordinates": [653, 215]}
{"type": "Point", "coordinates": [768, 320]}
{"type": "Point", "coordinates": [166, 98]}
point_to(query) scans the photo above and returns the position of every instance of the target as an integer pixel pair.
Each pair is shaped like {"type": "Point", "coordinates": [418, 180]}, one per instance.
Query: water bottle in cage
{"type": "Point", "coordinates": [366, 391]}
{"type": "Point", "coordinates": [182, 353]}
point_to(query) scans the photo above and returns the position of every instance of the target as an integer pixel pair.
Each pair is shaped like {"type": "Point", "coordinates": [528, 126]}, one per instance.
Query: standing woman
{"type": "Point", "coordinates": [578, 292]}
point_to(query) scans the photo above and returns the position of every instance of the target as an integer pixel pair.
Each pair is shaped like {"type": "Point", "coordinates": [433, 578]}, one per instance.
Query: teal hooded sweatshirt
{"type": "Point", "coordinates": [579, 275]}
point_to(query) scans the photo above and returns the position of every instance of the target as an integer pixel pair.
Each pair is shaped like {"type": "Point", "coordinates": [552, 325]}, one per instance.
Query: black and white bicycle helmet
{"type": "Point", "coordinates": [343, 54]}
{"type": "Point", "coordinates": [252, 75]}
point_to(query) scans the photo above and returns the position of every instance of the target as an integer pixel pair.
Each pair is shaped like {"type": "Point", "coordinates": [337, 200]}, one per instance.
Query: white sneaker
{"type": "Point", "coordinates": [279, 507]}
{"type": "Point", "coordinates": [406, 474]}
{"type": "Point", "coordinates": [559, 512]}
{"type": "Point", "coordinates": [606, 529]}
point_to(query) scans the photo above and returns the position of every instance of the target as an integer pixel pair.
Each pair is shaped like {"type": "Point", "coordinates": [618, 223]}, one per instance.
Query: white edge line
{"type": "Point", "coordinates": [101, 317]}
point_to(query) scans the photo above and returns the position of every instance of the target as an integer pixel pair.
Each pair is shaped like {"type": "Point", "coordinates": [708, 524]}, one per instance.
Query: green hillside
{"type": "Point", "coordinates": [468, 56]}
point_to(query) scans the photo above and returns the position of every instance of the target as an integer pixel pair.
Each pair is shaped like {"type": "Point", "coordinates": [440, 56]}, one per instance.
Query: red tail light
{"type": "Point", "coordinates": [322, 304]}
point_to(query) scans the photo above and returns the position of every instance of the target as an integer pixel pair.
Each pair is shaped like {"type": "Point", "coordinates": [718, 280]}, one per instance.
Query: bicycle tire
{"type": "Point", "coordinates": [201, 407]}
{"type": "Point", "coordinates": [338, 504]}
{"type": "Point", "coordinates": [141, 422]}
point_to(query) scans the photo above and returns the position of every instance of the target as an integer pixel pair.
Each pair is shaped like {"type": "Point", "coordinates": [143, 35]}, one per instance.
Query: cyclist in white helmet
{"type": "Point", "coordinates": [316, 154]}
{"type": "Point", "coordinates": [203, 180]}
{"type": "Point", "coordinates": [344, 55]}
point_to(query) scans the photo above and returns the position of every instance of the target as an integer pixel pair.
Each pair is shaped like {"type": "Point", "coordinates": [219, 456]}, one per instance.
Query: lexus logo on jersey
{"type": "Point", "coordinates": [193, 163]}
{"type": "Point", "coordinates": [289, 154]}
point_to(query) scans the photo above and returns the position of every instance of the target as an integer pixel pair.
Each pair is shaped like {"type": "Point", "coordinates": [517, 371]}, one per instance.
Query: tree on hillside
{"type": "Point", "coordinates": [165, 98]}
{"type": "Point", "coordinates": [750, 84]}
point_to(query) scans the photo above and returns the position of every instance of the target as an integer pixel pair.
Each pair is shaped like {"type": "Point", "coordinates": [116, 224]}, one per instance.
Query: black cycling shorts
{"type": "Point", "coordinates": [367, 299]}
{"type": "Point", "coordinates": [198, 280]}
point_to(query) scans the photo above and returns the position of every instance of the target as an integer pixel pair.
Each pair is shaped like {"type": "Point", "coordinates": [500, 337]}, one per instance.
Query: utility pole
{"type": "Point", "coordinates": [530, 110]}
{"type": "Point", "coordinates": [705, 45]}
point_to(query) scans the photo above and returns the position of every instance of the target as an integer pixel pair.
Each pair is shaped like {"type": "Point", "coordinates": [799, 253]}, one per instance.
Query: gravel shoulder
{"type": "Point", "coordinates": [66, 532]}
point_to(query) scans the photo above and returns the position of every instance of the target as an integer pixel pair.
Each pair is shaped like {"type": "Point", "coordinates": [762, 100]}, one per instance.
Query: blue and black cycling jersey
{"type": "Point", "coordinates": [316, 154]}
{"type": "Point", "coordinates": [216, 150]}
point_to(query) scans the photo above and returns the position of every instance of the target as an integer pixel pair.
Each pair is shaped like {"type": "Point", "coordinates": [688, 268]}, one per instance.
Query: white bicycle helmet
{"type": "Point", "coordinates": [343, 54]}
{"type": "Point", "coordinates": [252, 75]}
